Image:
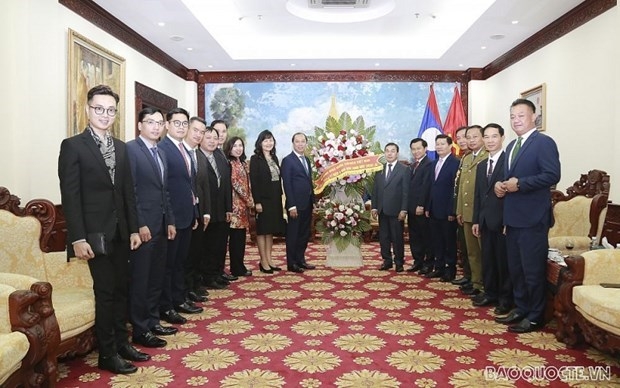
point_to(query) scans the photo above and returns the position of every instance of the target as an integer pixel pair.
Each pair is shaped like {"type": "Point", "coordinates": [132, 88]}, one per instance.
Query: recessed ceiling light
{"type": "Point", "coordinates": [377, 64]}
{"type": "Point", "coordinates": [515, 22]}
{"type": "Point", "coordinates": [190, 49]}
{"type": "Point", "coordinates": [483, 47]}
{"type": "Point", "coordinates": [161, 24]}
{"type": "Point", "coordinates": [460, 65]}
{"type": "Point", "coordinates": [176, 38]}
{"type": "Point", "coordinates": [210, 66]}
{"type": "Point", "coordinates": [293, 65]}
{"type": "Point", "coordinates": [497, 36]}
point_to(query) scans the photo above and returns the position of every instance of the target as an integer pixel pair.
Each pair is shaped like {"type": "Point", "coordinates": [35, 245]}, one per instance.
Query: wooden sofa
{"type": "Point", "coordinates": [579, 214]}
{"type": "Point", "coordinates": [29, 335]}
{"type": "Point", "coordinates": [585, 310]}
{"type": "Point", "coordinates": [23, 262]}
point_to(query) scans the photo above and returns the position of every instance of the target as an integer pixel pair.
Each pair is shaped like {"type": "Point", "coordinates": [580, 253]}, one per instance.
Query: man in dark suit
{"type": "Point", "coordinates": [419, 191]}
{"type": "Point", "coordinates": [183, 200]}
{"type": "Point", "coordinates": [488, 224]}
{"type": "Point", "coordinates": [533, 166]}
{"type": "Point", "coordinates": [156, 226]}
{"type": "Point", "coordinates": [440, 210]}
{"type": "Point", "coordinates": [296, 175]}
{"type": "Point", "coordinates": [98, 198]}
{"type": "Point", "coordinates": [220, 193]}
{"type": "Point", "coordinates": [389, 203]}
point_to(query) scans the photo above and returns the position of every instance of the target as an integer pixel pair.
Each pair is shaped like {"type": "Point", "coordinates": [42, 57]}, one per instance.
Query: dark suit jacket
{"type": "Point", "coordinates": [441, 199]}
{"type": "Point", "coordinates": [488, 209]}
{"type": "Point", "coordinates": [179, 185]}
{"type": "Point", "coordinates": [420, 184]}
{"type": "Point", "coordinates": [91, 203]}
{"type": "Point", "coordinates": [152, 197]}
{"type": "Point", "coordinates": [221, 197]}
{"type": "Point", "coordinates": [297, 183]}
{"type": "Point", "coordinates": [391, 197]}
{"type": "Point", "coordinates": [260, 179]}
{"type": "Point", "coordinates": [203, 188]}
{"type": "Point", "coordinates": [537, 166]}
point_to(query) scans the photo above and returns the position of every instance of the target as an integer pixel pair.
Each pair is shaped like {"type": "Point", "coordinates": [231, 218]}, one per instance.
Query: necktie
{"type": "Point", "coordinates": [389, 171]}
{"type": "Point", "coordinates": [184, 156]}
{"type": "Point", "coordinates": [194, 161]}
{"type": "Point", "coordinates": [214, 165]}
{"type": "Point", "coordinates": [154, 153]}
{"type": "Point", "coordinates": [490, 172]}
{"type": "Point", "coordinates": [438, 167]}
{"type": "Point", "coordinates": [516, 149]}
{"type": "Point", "coordinates": [303, 162]}
{"type": "Point", "coordinates": [415, 165]}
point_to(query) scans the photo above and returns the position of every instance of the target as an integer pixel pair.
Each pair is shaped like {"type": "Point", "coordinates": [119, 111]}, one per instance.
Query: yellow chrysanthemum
{"type": "Point", "coordinates": [417, 294]}
{"type": "Point", "coordinates": [380, 286]}
{"type": "Point", "coordinates": [315, 304]}
{"type": "Point", "coordinates": [541, 340]}
{"type": "Point", "coordinates": [400, 327]}
{"type": "Point", "coordinates": [275, 315]}
{"type": "Point", "coordinates": [359, 343]}
{"type": "Point", "coordinates": [268, 342]}
{"type": "Point", "coordinates": [483, 326]}
{"type": "Point", "coordinates": [452, 342]}
{"type": "Point", "coordinates": [418, 361]}
{"type": "Point", "coordinates": [515, 358]}
{"type": "Point", "coordinates": [314, 328]}
{"type": "Point", "coordinates": [350, 294]}
{"type": "Point", "coordinates": [432, 314]}
{"type": "Point", "coordinates": [317, 286]}
{"type": "Point", "coordinates": [243, 303]}
{"type": "Point", "coordinates": [210, 359]}
{"type": "Point", "coordinates": [312, 361]}
{"type": "Point", "coordinates": [230, 326]}
{"type": "Point", "coordinates": [283, 294]}
{"type": "Point", "coordinates": [354, 315]}
{"type": "Point", "coordinates": [388, 304]}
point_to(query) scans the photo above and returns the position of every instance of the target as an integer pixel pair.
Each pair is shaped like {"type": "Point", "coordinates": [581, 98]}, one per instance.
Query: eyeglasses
{"type": "Point", "coordinates": [153, 122]}
{"type": "Point", "coordinates": [99, 110]}
{"type": "Point", "coordinates": [178, 123]}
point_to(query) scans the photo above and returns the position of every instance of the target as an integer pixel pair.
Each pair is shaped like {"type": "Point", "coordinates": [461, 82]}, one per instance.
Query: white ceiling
{"type": "Point", "coordinates": [248, 35]}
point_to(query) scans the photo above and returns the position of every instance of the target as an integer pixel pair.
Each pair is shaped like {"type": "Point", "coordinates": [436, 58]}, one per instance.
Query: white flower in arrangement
{"type": "Point", "coordinates": [343, 233]}
{"type": "Point", "coordinates": [349, 212]}
{"type": "Point", "coordinates": [341, 207]}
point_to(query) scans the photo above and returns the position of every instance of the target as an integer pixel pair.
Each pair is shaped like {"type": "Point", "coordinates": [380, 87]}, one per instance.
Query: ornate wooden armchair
{"type": "Point", "coordinates": [25, 235]}
{"type": "Point", "coordinates": [579, 214]}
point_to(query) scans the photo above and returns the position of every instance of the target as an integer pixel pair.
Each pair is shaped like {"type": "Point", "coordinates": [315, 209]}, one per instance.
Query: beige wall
{"type": "Point", "coordinates": [581, 73]}
{"type": "Point", "coordinates": [34, 91]}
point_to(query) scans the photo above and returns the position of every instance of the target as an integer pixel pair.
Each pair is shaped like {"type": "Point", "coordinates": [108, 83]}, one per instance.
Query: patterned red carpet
{"type": "Point", "coordinates": [343, 327]}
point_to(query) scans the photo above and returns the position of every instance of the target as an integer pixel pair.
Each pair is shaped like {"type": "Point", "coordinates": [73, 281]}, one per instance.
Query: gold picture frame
{"type": "Point", "coordinates": [90, 65]}
{"type": "Point", "coordinates": [538, 96]}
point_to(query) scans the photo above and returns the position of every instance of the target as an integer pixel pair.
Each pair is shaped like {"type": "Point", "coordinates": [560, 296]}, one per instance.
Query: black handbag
{"type": "Point", "coordinates": [97, 243]}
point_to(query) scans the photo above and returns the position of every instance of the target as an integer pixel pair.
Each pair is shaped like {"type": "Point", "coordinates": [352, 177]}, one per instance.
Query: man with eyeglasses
{"type": "Point", "coordinates": [98, 200]}
{"type": "Point", "coordinates": [183, 200]}
{"type": "Point", "coordinates": [156, 226]}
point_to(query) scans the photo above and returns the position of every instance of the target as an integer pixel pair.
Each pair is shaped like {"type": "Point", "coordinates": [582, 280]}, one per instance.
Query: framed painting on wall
{"type": "Point", "coordinates": [90, 65]}
{"type": "Point", "coordinates": [538, 97]}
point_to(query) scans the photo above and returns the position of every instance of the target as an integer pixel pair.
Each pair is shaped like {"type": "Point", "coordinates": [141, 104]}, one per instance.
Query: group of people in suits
{"type": "Point", "coordinates": [499, 200]}
{"type": "Point", "coordinates": [169, 206]}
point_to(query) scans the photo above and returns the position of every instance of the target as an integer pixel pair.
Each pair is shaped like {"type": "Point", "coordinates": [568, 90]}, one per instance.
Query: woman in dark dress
{"type": "Point", "coordinates": [267, 193]}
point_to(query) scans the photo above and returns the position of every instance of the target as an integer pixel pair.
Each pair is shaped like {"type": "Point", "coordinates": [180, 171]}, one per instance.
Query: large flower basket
{"type": "Point", "coordinates": [344, 156]}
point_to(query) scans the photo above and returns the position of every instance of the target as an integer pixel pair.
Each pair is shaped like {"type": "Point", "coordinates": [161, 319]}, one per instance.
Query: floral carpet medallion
{"type": "Point", "coordinates": [349, 328]}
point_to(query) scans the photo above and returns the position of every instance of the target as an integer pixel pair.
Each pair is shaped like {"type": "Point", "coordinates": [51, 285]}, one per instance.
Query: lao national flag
{"type": "Point", "coordinates": [431, 124]}
{"type": "Point", "coordinates": [455, 118]}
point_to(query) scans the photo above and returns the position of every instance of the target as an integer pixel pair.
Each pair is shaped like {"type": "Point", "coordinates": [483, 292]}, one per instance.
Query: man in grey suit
{"type": "Point", "coordinates": [389, 203]}
{"type": "Point", "coordinates": [156, 227]}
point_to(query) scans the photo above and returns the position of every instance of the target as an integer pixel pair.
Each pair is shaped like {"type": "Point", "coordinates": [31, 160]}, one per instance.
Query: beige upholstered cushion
{"type": "Point", "coordinates": [20, 249]}
{"type": "Point", "coordinates": [599, 305]}
{"type": "Point", "coordinates": [14, 347]}
{"type": "Point", "coordinates": [572, 217]}
{"type": "Point", "coordinates": [75, 310]}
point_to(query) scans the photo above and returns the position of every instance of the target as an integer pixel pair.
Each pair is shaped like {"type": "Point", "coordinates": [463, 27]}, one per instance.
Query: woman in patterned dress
{"type": "Point", "coordinates": [242, 202]}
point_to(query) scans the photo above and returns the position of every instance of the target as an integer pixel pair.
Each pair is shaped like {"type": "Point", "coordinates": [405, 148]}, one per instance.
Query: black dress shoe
{"type": "Point", "coordinates": [434, 274]}
{"type": "Point", "coordinates": [446, 278]}
{"type": "Point", "coordinates": [194, 297]}
{"type": "Point", "coordinates": [414, 268]}
{"type": "Point", "coordinates": [275, 268]}
{"type": "Point", "coordinates": [483, 301]}
{"type": "Point", "coordinates": [189, 309]}
{"type": "Point", "coordinates": [424, 271]}
{"type": "Point", "coordinates": [229, 277]}
{"type": "Point", "coordinates": [171, 316]}
{"type": "Point", "coordinates": [307, 266]}
{"type": "Point", "coordinates": [385, 267]}
{"type": "Point", "coordinates": [213, 285]}
{"type": "Point", "coordinates": [471, 291]}
{"type": "Point", "coordinates": [399, 268]}
{"type": "Point", "coordinates": [246, 273]}
{"type": "Point", "coordinates": [149, 340]}
{"type": "Point", "coordinates": [295, 268]}
{"type": "Point", "coordinates": [501, 310]}
{"type": "Point", "coordinates": [264, 270]}
{"type": "Point", "coordinates": [164, 330]}
{"type": "Point", "coordinates": [460, 281]}
{"type": "Point", "coordinates": [524, 326]}
{"type": "Point", "coordinates": [466, 286]}
{"type": "Point", "coordinates": [512, 317]}
{"type": "Point", "coordinates": [222, 281]}
{"type": "Point", "coordinates": [130, 353]}
{"type": "Point", "coordinates": [116, 364]}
